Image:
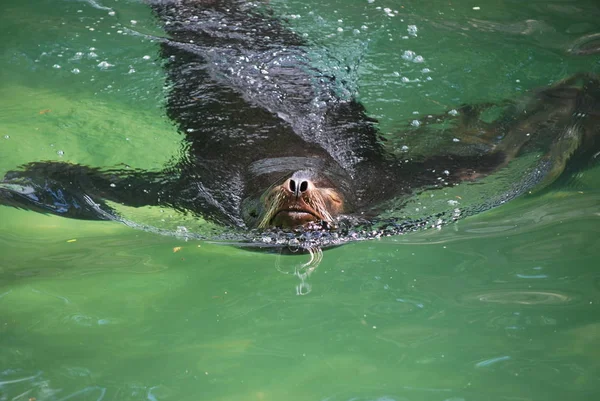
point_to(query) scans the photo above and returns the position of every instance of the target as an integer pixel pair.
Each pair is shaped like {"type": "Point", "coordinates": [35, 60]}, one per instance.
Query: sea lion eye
{"type": "Point", "coordinates": [335, 199]}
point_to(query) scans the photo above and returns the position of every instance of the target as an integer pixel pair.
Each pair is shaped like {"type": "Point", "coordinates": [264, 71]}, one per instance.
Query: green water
{"type": "Point", "coordinates": [504, 305]}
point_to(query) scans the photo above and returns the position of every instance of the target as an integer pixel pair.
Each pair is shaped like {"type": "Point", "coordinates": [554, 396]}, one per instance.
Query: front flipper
{"type": "Point", "coordinates": [76, 191]}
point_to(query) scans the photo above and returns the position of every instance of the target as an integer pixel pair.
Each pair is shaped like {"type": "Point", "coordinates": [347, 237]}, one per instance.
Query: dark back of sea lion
{"type": "Point", "coordinates": [244, 93]}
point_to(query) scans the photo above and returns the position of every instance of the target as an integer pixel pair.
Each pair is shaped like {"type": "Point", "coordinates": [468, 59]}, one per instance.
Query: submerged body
{"type": "Point", "coordinates": [273, 142]}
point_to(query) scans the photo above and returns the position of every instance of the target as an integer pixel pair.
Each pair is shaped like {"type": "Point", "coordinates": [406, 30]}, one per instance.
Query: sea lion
{"type": "Point", "coordinates": [272, 142]}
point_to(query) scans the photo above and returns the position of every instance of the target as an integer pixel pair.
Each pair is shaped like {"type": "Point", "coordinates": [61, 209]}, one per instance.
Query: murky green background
{"type": "Point", "coordinates": [501, 306]}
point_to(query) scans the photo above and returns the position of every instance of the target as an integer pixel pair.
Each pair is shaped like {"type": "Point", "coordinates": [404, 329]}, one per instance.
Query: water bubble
{"type": "Point", "coordinates": [425, 70]}
{"type": "Point", "coordinates": [111, 13]}
{"type": "Point", "coordinates": [405, 79]}
{"type": "Point", "coordinates": [412, 30]}
{"type": "Point", "coordinates": [60, 153]}
{"type": "Point", "coordinates": [455, 140]}
{"type": "Point", "coordinates": [404, 148]}
{"type": "Point", "coordinates": [75, 71]}
{"type": "Point", "coordinates": [415, 123]}
{"type": "Point", "coordinates": [104, 65]}
{"type": "Point", "coordinates": [92, 55]}
{"type": "Point", "coordinates": [370, 1]}
{"type": "Point", "coordinates": [56, 66]}
{"type": "Point", "coordinates": [340, 29]}
{"type": "Point", "coordinates": [92, 49]}
{"type": "Point", "coordinates": [408, 55]}
{"type": "Point", "coordinates": [6, 137]}
{"type": "Point", "coordinates": [131, 70]}
{"type": "Point", "coordinates": [146, 57]}
{"type": "Point", "coordinates": [133, 22]}
{"type": "Point", "coordinates": [355, 31]}
{"type": "Point", "coordinates": [419, 59]}
{"type": "Point", "coordinates": [453, 112]}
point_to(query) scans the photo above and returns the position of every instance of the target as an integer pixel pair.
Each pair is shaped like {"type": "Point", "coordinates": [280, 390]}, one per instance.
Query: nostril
{"type": "Point", "coordinates": [303, 186]}
{"type": "Point", "coordinates": [292, 186]}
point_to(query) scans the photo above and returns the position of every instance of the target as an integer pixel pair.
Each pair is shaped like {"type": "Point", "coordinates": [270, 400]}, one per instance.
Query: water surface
{"type": "Point", "coordinates": [504, 305]}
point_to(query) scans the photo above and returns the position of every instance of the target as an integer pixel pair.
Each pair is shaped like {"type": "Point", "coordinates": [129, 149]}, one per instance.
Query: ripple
{"type": "Point", "coordinates": [401, 307]}
{"type": "Point", "coordinates": [586, 45]}
{"type": "Point", "coordinates": [520, 297]}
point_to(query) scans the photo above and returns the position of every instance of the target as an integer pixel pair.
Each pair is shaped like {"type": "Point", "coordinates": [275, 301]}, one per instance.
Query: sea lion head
{"type": "Point", "coordinates": [303, 198]}
{"type": "Point", "coordinates": [298, 199]}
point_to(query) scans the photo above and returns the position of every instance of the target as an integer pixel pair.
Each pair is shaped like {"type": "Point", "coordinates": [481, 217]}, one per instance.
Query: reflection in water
{"type": "Point", "coordinates": [303, 270]}
{"type": "Point", "coordinates": [88, 390]}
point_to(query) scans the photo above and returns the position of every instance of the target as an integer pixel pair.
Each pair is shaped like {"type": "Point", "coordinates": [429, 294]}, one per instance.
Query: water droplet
{"type": "Point", "coordinates": [60, 153]}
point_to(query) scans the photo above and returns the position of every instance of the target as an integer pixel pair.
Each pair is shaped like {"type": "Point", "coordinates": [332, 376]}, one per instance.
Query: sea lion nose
{"type": "Point", "coordinates": [298, 187]}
